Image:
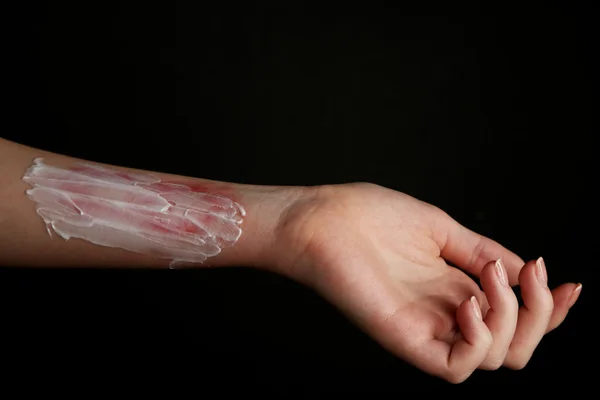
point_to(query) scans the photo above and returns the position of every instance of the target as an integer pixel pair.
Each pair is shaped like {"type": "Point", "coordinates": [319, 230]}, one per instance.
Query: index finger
{"type": "Point", "coordinates": [471, 251]}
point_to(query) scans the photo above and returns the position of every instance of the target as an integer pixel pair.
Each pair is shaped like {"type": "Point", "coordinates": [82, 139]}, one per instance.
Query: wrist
{"type": "Point", "coordinates": [266, 207]}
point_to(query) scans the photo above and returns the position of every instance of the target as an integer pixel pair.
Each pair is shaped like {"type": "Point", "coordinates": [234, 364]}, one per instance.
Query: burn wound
{"type": "Point", "coordinates": [133, 211]}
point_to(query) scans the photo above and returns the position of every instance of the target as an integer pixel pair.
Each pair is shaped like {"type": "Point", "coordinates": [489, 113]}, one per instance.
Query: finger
{"type": "Point", "coordinates": [501, 319]}
{"type": "Point", "coordinates": [564, 297]}
{"type": "Point", "coordinates": [471, 251]}
{"type": "Point", "coordinates": [456, 362]}
{"type": "Point", "coordinates": [534, 315]}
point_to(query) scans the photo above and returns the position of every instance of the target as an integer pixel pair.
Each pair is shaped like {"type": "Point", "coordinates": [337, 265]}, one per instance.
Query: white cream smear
{"type": "Point", "coordinates": [133, 211]}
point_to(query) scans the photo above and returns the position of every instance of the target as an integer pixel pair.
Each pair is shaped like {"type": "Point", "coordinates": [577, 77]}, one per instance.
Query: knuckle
{"type": "Point", "coordinates": [477, 253]}
{"type": "Point", "coordinates": [487, 340]}
{"type": "Point", "coordinates": [512, 303]}
{"type": "Point", "coordinates": [456, 377]}
{"type": "Point", "coordinates": [547, 307]}
{"type": "Point", "coordinates": [439, 216]}
{"type": "Point", "coordinates": [493, 363]}
{"type": "Point", "coordinates": [543, 306]}
{"type": "Point", "coordinates": [517, 363]}
{"type": "Point", "coordinates": [437, 211]}
{"type": "Point", "coordinates": [365, 185]}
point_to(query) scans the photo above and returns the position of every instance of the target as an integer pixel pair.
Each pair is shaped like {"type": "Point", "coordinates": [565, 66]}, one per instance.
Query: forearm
{"type": "Point", "coordinates": [25, 240]}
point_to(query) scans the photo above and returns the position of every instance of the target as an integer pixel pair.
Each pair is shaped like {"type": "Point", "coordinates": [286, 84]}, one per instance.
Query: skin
{"type": "Point", "coordinates": [394, 265]}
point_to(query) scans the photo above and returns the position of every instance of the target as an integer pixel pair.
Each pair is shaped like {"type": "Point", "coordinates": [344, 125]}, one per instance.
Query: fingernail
{"type": "Point", "coordinates": [501, 272]}
{"type": "Point", "coordinates": [540, 272]}
{"type": "Point", "coordinates": [575, 294]}
{"type": "Point", "coordinates": [475, 305]}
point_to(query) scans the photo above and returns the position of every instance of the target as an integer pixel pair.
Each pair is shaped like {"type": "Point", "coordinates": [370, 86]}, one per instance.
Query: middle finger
{"type": "Point", "coordinates": [534, 315]}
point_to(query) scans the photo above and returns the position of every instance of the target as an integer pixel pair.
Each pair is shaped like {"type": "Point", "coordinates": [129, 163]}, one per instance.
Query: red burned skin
{"type": "Point", "coordinates": [214, 188]}
{"type": "Point", "coordinates": [179, 219]}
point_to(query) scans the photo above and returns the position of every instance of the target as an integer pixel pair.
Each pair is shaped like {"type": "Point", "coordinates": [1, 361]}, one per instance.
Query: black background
{"type": "Point", "coordinates": [486, 113]}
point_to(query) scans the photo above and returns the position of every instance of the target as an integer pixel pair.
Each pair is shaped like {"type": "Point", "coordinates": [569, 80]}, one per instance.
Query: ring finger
{"type": "Point", "coordinates": [534, 315]}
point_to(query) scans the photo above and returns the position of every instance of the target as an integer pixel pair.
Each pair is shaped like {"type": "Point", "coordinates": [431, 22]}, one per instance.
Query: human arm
{"type": "Point", "coordinates": [25, 241]}
{"type": "Point", "coordinates": [378, 255]}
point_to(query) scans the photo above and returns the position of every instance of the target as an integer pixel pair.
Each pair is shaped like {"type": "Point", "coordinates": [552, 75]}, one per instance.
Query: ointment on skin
{"type": "Point", "coordinates": [133, 211]}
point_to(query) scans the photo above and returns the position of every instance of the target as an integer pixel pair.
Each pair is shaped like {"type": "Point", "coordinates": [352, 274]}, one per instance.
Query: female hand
{"type": "Point", "coordinates": [381, 257]}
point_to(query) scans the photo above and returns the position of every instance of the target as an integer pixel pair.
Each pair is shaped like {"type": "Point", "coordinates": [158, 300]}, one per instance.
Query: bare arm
{"type": "Point", "coordinates": [378, 255]}
{"type": "Point", "coordinates": [24, 239]}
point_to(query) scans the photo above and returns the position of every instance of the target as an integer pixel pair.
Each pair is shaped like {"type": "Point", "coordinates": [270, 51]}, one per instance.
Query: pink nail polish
{"type": "Point", "coordinates": [501, 272]}
{"type": "Point", "coordinates": [575, 294]}
{"type": "Point", "coordinates": [540, 272]}
{"type": "Point", "coordinates": [476, 309]}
